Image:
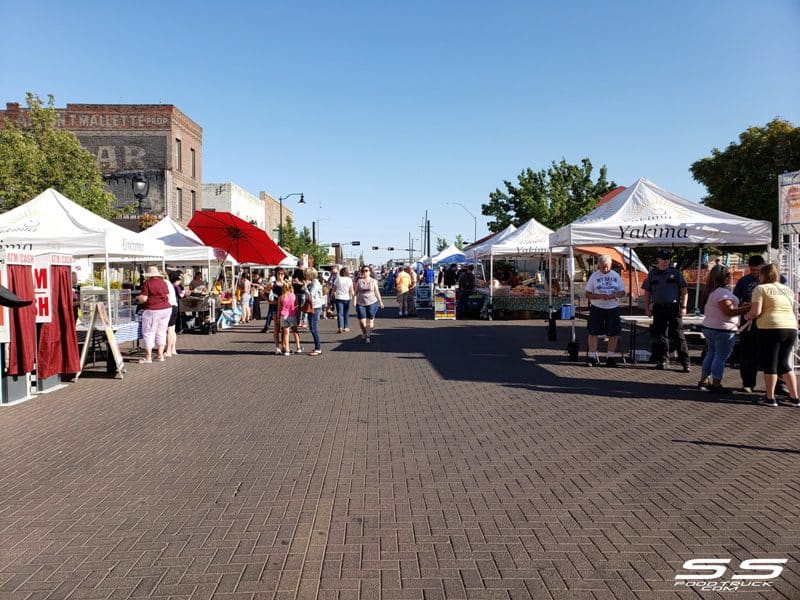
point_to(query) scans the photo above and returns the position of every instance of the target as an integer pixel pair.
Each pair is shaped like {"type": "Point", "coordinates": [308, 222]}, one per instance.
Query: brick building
{"type": "Point", "coordinates": [155, 139]}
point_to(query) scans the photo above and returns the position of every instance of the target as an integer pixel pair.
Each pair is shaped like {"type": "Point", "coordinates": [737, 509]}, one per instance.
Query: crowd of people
{"type": "Point", "coordinates": [759, 311]}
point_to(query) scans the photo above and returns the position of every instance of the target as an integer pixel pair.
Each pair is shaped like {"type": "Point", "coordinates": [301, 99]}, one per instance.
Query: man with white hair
{"type": "Point", "coordinates": [603, 290]}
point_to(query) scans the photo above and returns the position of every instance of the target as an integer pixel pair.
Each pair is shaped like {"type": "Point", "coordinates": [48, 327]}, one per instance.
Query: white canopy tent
{"type": "Point", "coordinates": [51, 222]}
{"type": "Point", "coordinates": [182, 246]}
{"type": "Point", "coordinates": [477, 250]}
{"type": "Point", "coordinates": [647, 215]}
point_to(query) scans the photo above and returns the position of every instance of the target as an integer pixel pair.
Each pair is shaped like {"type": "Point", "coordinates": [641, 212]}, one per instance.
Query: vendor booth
{"type": "Point", "coordinates": [182, 247]}
{"type": "Point", "coordinates": [53, 224]}
{"type": "Point", "coordinates": [647, 215]}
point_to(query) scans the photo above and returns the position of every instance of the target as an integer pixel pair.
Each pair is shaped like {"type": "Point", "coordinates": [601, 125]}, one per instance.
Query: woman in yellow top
{"type": "Point", "coordinates": [773, 308]}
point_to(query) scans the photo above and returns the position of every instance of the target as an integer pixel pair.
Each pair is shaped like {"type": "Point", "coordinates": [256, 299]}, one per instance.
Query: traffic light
{"type": "Point", "coordinates": [355, 243]}
{"type": "Point", "coordinates": [375, 248]}
{"type": "Point", "coordinates": [390, 248]}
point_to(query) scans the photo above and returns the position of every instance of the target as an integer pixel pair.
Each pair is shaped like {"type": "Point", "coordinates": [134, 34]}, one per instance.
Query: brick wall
{"type": "Point", "coordinates": [126, 138]}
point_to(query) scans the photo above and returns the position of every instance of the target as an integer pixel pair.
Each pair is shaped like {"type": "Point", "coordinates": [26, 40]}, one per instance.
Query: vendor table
{"type": "Point", "coordinates": [129, 331]}
{"type": "Point", "coordinates": [637, 321]}
{"type": "Point", "coordinates": [538, 304]}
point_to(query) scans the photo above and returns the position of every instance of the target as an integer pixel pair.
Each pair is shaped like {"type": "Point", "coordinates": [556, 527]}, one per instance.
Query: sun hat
{"type": "Point", "coordinates": [152, 271]}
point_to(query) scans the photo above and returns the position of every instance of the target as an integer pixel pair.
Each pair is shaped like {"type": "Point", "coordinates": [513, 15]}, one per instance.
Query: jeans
{"type": "Point", "coordinates": [271, 311]}
{"type": "Point", "coordinates": [719, 345]}
{"type": "Point", "coordinates": [342, 313]}
{"type": "Point", "coordinates": [313, 326]}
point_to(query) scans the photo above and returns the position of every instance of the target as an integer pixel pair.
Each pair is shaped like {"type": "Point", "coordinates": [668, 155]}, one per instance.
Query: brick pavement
{"type": "Point", "coordinates": [446, 460]}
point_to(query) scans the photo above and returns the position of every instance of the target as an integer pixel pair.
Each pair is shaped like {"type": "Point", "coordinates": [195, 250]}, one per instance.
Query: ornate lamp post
{"type": "Point", "coordinates": [280, 224]}
{"type": "Point", "coordinates": [141, 187]}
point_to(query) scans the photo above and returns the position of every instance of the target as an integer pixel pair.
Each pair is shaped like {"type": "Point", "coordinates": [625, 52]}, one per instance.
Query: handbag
{"type": "Point", "coordinates": [308, 306]}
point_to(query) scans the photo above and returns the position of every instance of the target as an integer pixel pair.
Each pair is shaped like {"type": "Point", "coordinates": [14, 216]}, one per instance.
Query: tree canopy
{"type": "Point", "coordinates": [743, 178]}
{"type": "Point", "coordinates": [300, 242]}
{"type": "Point", "coordinates": [555, 196]}
{"type": "Point", "coordinates": [38, 155]}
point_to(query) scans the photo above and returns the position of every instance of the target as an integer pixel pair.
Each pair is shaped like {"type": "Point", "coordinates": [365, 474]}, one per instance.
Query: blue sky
{"type": "Point", "coordinates": [379, 111]}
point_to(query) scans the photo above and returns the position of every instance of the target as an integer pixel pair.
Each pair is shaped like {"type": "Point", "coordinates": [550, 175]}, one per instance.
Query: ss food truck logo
{"type": "Point", "coordinates": [707, 574]}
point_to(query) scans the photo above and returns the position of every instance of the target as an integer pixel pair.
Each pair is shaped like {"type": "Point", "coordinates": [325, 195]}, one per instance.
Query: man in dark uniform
{"type": "Point", "coordinates": [748, 352]}
{"type": "Point", "coordinates": [451, 276]}
{"type": "Point", "coordinates": [667, 289]}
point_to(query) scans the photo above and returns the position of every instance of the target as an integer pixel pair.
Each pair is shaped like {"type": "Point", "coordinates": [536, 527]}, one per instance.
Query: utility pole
{"type": "Point", "coordinates": [428, 235]}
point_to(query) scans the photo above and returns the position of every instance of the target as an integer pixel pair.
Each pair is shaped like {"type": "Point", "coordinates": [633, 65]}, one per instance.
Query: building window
{"type": "Point", "coordinates": [179, 198]}
{"type": "Point", "coordinates": [178, 155]}
{"type": "Point", "coordinates": [194, 164]}
{"type": "Point", "coordinates": [194, 202]}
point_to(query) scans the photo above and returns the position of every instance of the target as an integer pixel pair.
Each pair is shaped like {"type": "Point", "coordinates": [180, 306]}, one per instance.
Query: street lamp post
{"type": "Point", "coordinates": [474, 218]}
{"type": "Point", "coordinates": [141, 186]}
{"type": "Point", "coordinates": [280, 223]}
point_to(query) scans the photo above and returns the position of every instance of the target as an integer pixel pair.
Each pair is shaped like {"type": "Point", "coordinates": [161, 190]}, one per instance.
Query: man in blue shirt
{"type": "Point", "coordinates": [669, 293]}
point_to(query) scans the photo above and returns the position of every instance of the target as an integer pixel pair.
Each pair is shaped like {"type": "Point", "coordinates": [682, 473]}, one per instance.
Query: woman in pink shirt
{"type": "Point", "coordinates": [287, 318]}
{"type": "Point", "coordinates": [721, 321]}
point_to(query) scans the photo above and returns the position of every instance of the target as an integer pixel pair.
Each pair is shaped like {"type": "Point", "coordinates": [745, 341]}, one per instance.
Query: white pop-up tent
{"type": "Point", "coordinates": [51, 222]}
{"type": "Point", "coordinates": [476, 250]}
{"type": "Point", "coordinates": [182, 245]}
{"type": "Point", "coordinates": [647, 215]}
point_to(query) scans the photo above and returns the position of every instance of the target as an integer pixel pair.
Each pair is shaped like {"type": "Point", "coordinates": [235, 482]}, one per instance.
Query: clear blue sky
{"type": "Point", "coordinates": [379, 111]}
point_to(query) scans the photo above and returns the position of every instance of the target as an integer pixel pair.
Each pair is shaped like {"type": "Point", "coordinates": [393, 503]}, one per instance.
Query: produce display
{"type": "Point", "coordinates": [524, 291]}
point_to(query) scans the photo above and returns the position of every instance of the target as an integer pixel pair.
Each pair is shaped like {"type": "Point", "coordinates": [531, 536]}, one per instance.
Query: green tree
{"type": "Point", "coordinates": [441, 244]}
{"type": "Point", "coordinates": [743, 178]}
{"type": "Point", "coordinates": [554, 197]}
{"type": "Point", "coordinates": [38, 155]}
{"type": "Point", "coordinates": [459, 243]}
{"type": "Point", "coordinates": [300, 242]}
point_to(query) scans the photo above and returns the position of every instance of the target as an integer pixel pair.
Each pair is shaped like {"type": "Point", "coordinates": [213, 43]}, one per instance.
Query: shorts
{"type": "Point", "coordinates": [290, 321]}
{"type": "Point", "coordinates": [603, 321]}
{"type": "Point", "coordinates": [367, 312]}
{"type": "Point", "coordinates": [173, 317]}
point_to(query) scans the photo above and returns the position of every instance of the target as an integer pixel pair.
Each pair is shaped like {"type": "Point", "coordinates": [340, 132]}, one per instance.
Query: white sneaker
{"type": "Point", "coordinates": [278, 350]}
{"type": "Point", "coordinates": [298, 351]}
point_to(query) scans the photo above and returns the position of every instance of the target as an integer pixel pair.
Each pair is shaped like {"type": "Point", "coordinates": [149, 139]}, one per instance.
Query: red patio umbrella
{"type": "Point", "coordinates": [242, 240]}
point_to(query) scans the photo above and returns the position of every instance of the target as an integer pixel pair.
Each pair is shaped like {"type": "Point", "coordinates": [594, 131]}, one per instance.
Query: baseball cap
{"type": "Point", "coordinates": [664, 253]}
{"type": "Point", "coordinates": [755, 261]}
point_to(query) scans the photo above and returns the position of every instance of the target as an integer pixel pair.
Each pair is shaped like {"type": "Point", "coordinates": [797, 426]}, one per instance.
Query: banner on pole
{"type": "Point", "coordinates": [789, 198]}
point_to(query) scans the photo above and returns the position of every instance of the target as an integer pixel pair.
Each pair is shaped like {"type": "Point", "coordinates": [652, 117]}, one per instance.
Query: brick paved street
{"type": "Point", "coordinates": [445, 460]}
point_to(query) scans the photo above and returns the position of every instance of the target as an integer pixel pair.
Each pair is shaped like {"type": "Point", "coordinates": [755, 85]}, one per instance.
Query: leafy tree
{"type": "Point", "coordinates": [38, 155]}
{"type": "Point", "coordinates": [743, 178]}
{"type": "Point", "coordinates": [459, 243]}
{"type": "Point", "coordinates": [441, 244]}
{"type": "Point", "coordinates": [554, 197]}
{"type": "Point", "coordinates": [300, 242]}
